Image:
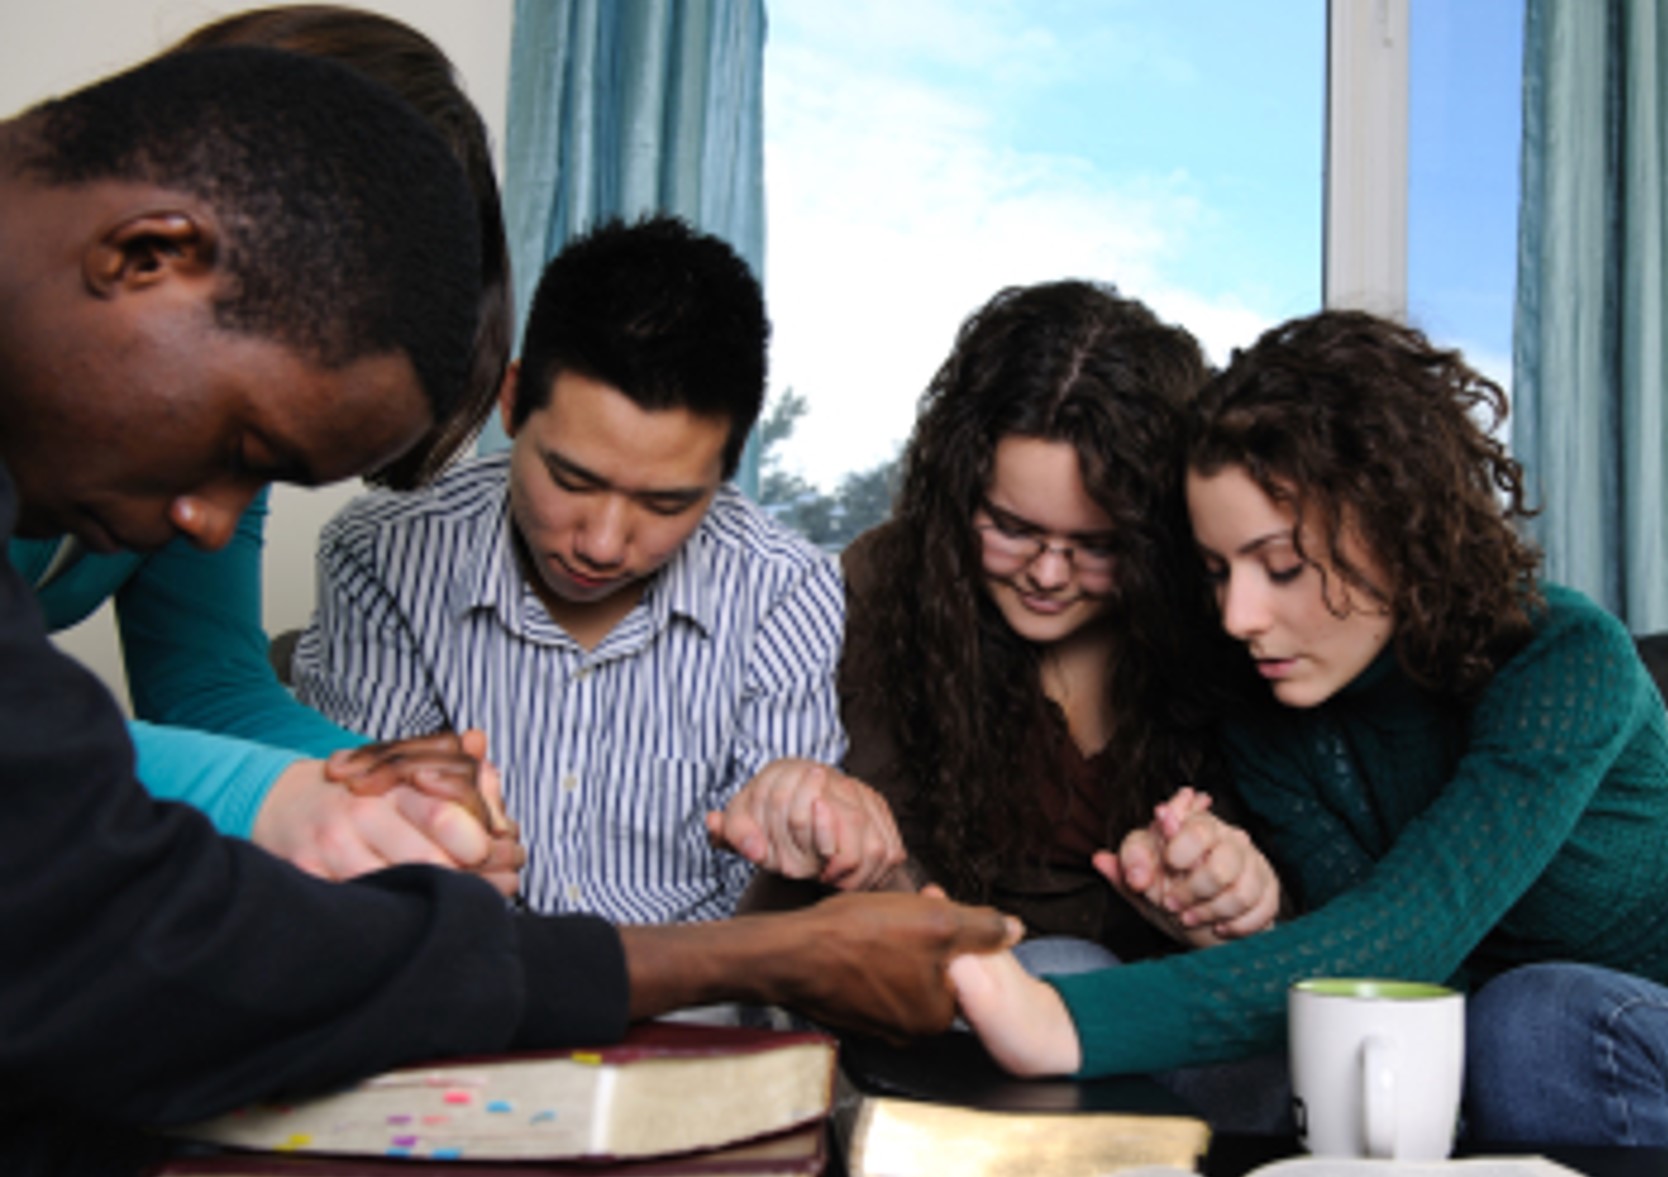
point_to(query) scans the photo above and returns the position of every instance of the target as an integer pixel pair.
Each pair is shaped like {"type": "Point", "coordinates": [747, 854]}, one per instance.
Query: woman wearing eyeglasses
{"type": "Point", "coordinates": [1016, 677]}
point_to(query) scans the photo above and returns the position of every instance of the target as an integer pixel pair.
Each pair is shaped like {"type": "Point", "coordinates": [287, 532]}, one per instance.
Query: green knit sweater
{"type": "Point", "coordinates": [1426, 842]}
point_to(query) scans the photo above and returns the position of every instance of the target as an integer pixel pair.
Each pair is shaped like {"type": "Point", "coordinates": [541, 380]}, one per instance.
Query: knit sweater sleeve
{"type": "Point", "coordinates": [1542, 740]}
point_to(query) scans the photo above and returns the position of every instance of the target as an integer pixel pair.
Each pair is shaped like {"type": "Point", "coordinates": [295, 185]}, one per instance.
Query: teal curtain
{"type": "Point", "coordinates": [1589, 381]}
{"type": "Point", "coordinates": [624, 107]}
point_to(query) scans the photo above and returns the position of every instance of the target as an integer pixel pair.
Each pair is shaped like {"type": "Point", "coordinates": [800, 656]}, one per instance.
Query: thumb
{"type": "Point", "coordinates": [474, 742]}
{"type": "Point", "coordinates": [1109, 867]}
{"type": "Point", "coordinates": [1138, 860]}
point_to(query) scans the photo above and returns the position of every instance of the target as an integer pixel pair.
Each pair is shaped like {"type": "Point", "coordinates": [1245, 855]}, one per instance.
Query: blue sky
{"type": "Point", "coordinates": [920, 154]}
{"type": "Point", "coordinates": [1465, 122]}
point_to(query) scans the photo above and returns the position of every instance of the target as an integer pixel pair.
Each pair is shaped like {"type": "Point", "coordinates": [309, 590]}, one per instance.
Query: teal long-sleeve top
{"type": "Point", "coordinates": [215, 725]}
{"type": "Point", "coordinates": [1426, 841]}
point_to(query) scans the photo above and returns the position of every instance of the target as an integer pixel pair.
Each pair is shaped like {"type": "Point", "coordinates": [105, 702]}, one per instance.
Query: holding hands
{"type": "Point", "coordinates": [806, 820]}
{"type": "Point", "coordinates": [432, 799]}
{"type": "Point", "coordinates": [1193, 875]}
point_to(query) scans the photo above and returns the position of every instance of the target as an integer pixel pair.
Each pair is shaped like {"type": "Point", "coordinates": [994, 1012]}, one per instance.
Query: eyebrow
{"type": "Point", "coordinates": [1000, 514]}
{"type": "Point", "coordinates": [1253, 546]}
{"type": "Point", "coordinates": [557, 464]}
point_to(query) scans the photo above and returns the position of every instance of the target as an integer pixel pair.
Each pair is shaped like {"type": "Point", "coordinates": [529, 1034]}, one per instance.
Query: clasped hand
{"type": "Point", "coordinates": [806, 820]}
{"type": "Point", "coordinates": [431, 799]}
{"type": "Point", "coordinates": [1193, 875]}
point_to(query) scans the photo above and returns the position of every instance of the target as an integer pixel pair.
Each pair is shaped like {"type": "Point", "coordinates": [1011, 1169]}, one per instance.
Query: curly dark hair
{"type": "Point", "coordinates": [1358, 423]}
{"type": "Point", "coordinates": [414, 67]}
{"type": "Point", "coordinates": [670, 316]}
{"type": "Point", "coordinates": [348, 227]}
{"type": "Point", "coordinates": [1070, 362]}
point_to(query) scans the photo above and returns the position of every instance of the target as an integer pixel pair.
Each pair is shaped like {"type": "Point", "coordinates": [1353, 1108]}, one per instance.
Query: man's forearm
{"type": "Point", "coordinates": [871, 962]}
{"type": "Point", "coordinates": [676, 965]}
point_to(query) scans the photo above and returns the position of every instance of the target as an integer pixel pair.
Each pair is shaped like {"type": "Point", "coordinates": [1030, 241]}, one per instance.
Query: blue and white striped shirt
{"type": "Point", "coordinates": [611, 757]}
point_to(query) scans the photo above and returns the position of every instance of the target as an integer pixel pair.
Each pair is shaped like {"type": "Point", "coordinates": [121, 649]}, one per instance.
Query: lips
{"type": "Point", "coordinates": [579, 580]}
{"type": "Point", "coordinates": [1045, 606]}
{"type": "Point", "coordinates": [1273, 668]}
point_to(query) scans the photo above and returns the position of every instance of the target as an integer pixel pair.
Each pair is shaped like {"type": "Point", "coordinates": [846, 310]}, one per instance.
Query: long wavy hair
{"type": "Point", "coordinates": [1357, 423]}
{"type": "Point", "coordinates": [1069, 362]}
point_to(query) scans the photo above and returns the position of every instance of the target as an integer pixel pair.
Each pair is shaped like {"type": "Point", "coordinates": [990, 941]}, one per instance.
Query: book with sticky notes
{"type": "Point", "coordinates": [667, 1088]}
{"type": "Point", "coordinates": [798, 1152]}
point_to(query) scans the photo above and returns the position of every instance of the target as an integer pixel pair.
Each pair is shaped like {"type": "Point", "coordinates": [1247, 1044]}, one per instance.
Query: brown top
{"type": "Point", "coordinates": [1060, 894]}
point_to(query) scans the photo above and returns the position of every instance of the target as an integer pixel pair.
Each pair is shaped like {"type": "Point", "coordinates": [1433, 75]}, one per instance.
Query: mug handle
{"type": "Point", "coordinates": [1378, 1094]}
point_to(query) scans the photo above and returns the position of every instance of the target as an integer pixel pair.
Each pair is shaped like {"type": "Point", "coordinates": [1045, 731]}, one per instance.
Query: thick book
{"type": "Point", "coordinates": [944, 1106]}
{"type": "Point", "coordinates": [798, 1152]}
{"type": "Point", "coordinates": [667, 1088]}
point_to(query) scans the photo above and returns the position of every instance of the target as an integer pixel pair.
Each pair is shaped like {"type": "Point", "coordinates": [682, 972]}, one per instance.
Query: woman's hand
{"type": "Point", "coordinates": [1022, 1022]}
{"type": "Point", "coordinates": [1193, 875]}
{"type": "Point", "coordinates": [335, 832]}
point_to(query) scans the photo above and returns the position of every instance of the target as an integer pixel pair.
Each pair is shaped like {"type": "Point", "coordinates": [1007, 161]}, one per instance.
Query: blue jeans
{"type": "Point", "coordinates": [1252, 1095]}
{"type": "Point", "coordinates": [1567, 1054]}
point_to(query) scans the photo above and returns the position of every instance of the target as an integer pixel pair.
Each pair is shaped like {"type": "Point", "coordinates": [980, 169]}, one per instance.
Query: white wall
{"type": "Point", "coordinates": [50, 46]}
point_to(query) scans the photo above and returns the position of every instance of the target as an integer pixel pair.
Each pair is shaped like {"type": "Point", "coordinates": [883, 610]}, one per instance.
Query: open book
{"type": "Point", "coordinates": [668, 1088]}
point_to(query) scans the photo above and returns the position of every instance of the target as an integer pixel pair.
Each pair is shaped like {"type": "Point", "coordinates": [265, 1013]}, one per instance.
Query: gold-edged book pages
{"type": "Point", "coordinates": [942, 1105]}
{"type": "Point", "coordinates": [892, 1137]}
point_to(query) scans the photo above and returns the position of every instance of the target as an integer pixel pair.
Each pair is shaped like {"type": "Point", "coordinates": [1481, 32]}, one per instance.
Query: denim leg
{"type": "Point", "coordinates": [1251, 1095]}
{"type": "Point", "coordinates": [1043, 955]}
{"type": "Point", "coordinates": [1567, 1054]}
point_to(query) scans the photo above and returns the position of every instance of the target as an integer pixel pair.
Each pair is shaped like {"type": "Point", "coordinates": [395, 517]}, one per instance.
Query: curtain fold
{"type": "Point", "coordinates": [625, 107]}
{"type": "Point", "coordinates": [1590, 421]}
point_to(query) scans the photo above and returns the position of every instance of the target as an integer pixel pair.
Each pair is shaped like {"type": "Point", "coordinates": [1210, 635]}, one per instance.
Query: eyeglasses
{"type": "Point", "coordinates": [1011, 543]}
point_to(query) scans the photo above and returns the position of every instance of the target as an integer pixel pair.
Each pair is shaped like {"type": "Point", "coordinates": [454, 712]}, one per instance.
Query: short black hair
{"type": "Point", "coordinates": [348, 227]}
{"type": "Point", "coordinates": [413, 66]}
{"type": "Point", "coordinates": [671, 317]}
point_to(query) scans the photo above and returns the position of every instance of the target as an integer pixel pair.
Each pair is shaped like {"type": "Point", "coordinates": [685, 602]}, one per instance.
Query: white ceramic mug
{"type": "Point", "coordinates": [1376, 1067]}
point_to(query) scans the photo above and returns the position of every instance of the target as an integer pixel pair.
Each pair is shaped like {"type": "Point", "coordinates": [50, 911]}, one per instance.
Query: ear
{"type": "Point", "coordinates": [148, 248]}
{"type": "Point", "coordinates": [506, 396]}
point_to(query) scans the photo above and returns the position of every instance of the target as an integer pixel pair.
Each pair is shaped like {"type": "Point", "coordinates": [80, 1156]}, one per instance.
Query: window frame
{"type": "Point", "coordinates": [1364, 209]}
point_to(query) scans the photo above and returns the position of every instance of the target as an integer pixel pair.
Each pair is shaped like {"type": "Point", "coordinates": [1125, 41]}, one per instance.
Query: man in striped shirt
{"type": "Point", "coordinates": [638, 640]}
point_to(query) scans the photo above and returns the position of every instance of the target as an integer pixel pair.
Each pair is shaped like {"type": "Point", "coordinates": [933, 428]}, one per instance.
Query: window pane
{"type": "Point", "coordinates": [920, 156]}
{"type": "Point", "coordinates": [1464, 138]}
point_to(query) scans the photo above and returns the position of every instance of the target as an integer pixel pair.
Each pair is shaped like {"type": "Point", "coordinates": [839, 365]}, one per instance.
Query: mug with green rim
{"type": "Point", "coordinates": [1373, 987]}
{"type": "Point", "coordinates": [1377, 1064]}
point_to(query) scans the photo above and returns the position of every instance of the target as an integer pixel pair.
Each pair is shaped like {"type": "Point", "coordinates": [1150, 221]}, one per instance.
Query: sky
{"type": "Point", "coordinates": [921, 155]}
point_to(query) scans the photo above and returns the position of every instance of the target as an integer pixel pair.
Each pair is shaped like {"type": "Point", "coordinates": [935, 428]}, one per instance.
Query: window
{"type": "Point", "coordinates": [1464, 139]}
{"type": "Point", "coordinates": [921, 156]}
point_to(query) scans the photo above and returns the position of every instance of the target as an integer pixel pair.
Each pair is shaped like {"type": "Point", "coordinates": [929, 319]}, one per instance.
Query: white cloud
{"type": "Point", "coordinates": [894, 213]}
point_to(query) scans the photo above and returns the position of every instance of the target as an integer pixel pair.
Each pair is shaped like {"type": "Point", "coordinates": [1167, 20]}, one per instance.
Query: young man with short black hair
{"type": "Point", "coordinates": [637, 638]}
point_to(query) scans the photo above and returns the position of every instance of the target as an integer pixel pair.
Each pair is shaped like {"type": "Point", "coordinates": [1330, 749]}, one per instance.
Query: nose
{"type": "Point", "coordinates": [209, 518]}
{"type": "Point", "coordinates": [1052, 568]}
{"type": "Point", "coordinates": [605, 533]}
{"type": "Point", "coordinates": [1244, 607]}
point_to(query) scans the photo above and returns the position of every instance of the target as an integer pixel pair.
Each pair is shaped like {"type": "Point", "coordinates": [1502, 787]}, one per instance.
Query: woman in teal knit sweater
{"type": "Point", "coordinates": [1461, 774]}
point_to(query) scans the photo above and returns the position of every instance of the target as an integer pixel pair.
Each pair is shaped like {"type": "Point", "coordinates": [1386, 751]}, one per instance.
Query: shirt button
{"type": "Point", "coordinates": [583, 673]}
{"type": "Point", "coordinates": [570, 783]}
{"type": "Point", "coordinates": [573, 892]}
